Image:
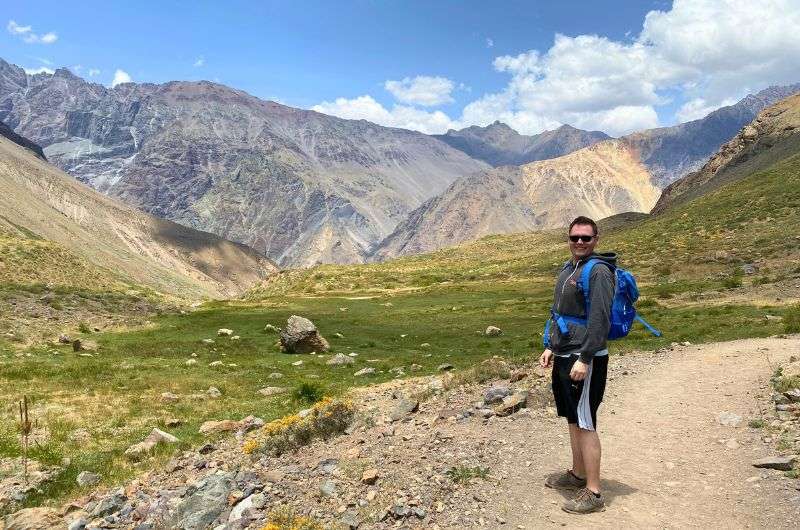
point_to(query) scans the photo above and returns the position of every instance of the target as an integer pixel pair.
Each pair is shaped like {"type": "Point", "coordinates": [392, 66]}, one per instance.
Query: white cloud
{"type": "Point", "coordinates": [489, 42]}
{"type": "Point", "coordinates": [77, 68]}
{"type": "Point", "coordinates": [120, 76]}
{"type": "Point", "coordinates": [26, 34]}
{"type": "Point", "coordinates": [93, 72]}
{"type": "Point", "coordinates": [40, 70]}
{"type": "Point", "coordinates": [698, 107]}
{"type": "Point", "coordinates": [422, 90]}
{"type": "Point", "coordinates": [201, 61]}
{"type": "Point", "coordinates": [366, 108]}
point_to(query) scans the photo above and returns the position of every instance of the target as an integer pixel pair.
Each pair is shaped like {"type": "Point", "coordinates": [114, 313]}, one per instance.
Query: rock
{"type": "Point", "coordinates": [328, 488]}
{"type": "Point", "coordinates": [32, 519]}
{"type": "Point", "coordinates": [729, 419]}
{"type": "Point", "coordinates": [782, 463]}
{"type": "Point", "coordinates": [519, 375]}
{"type": "Point", "coordinates": [365, 371]}
{"type": "Point", "coordinates": [444, 367]}
{"type": "Point", "coordinates": [370, 476]}
{"type": "Point", "coordinates": [424, 345]}
{"type": "Point", "coordinates": [215, 363]}
{"type": "Point", "coordinates": [793, 395]}
{"type": "Point", "coordinates": [83, 345]}
{"type": "Point", "coordinates": [495, 394]}
{"type": "Point", "coordinates": [301, 336]}
{"type": "Point", "coordinates": [749, 269]}
{"type": "Point", "coordinates": [773, 318]}
{"type": "Point", "coordinates": [493, 331]}
{"type": "Point", "coordinates": [201, 508]}
{"type": "Point", "coordinates": [169, 397]}
{"type": "Point", "coordinates": [64, 339]}
{"type": "Point", "coordinates": [255, 501]}
{"type": "Point", "coordinates": [224, 332]}
{"type": "Point", "coordinates": [272, 390]}
{"type": "Point", "coordinates": [792, 369]}
{"type": "Point", "coordinates": [275, 375]}
{"type": "Point", "coordinates": [297, 363]}
{"type": "Point", "coordinates": [208, 341]}
{"type": "Point", "coordinates": [352, 354]}
{"type": "Point", "coordinates": [350, 519]}
{"type": "Point", "coordinates": [339, 359]}
{"type": "Point", "coordinates": [416, 367]}
{"type": "Point", "coordinates": [110, 505]}
{"type": "Point", "coordinates": [250, 423]}
{"type": "Point", "coordinates": [269, 328]}
{"type": "Point", "coordinates": [274, 476]}
{"type": "Point", "coordinates": [338, 335]}
{"type": "Point", "coordinates": [80, 436]}
{"type": "Point", "coordinates": [87, 478]}
{"type": "Point", "coordinates": [236, 337]}
{"type": "Point", "coordinates": [212, 427]}
{"type": "Point", "coordinates": [77, 524]}
{"type": "Point", "coordinates": [190, 362]}
{"type": "Point", "coordinates": [512, 403]}
{"type": "Point", "coordinates": [156, 436]}
{"type": "Point", "coordinates": [404, 408]}
{"type": "Point", "coordinates": [213, 392]}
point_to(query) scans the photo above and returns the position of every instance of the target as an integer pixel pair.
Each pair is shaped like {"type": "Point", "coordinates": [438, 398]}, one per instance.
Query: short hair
{"type": "Point", "coordinates": [583, 220]}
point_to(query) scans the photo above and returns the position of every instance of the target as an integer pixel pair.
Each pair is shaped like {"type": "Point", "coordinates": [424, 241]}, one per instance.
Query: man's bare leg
{"type": "Point", "coordinates": [589, 443]}
{"type": "Point", "coordinates": [578, 467]}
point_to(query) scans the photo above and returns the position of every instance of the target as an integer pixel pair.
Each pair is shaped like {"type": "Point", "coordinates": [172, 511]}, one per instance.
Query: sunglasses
{"type": "Point", "coordinates": [584, 239]}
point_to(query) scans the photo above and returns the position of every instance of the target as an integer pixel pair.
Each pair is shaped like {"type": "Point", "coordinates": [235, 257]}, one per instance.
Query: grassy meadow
{"type": "Point", "coordinates": [423, 310]}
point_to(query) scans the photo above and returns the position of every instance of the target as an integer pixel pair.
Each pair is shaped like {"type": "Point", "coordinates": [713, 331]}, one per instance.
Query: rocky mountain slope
{"type": "Point", "coordinates": [773, 135]}
{"type": "Point", "coordinates": [8, 132]}
{"type": "Point", "coordinates": [500, 145]}
{"type": "Point", "coordinates": [602, 180]}
{"type": "Point", "coordinates": [497, 202]}
{"type": "Point", "coordinates": [299, 186]}
{"type": "Point", "coordinates": [43, 210]}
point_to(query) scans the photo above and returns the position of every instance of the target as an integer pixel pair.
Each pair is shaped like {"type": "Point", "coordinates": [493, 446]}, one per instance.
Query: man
{"type": "Point", "coordinates": [579, 359]}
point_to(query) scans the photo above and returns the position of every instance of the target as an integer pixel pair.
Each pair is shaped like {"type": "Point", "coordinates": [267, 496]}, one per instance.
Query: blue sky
{"type": "Point", "coordinates": [427, 65]}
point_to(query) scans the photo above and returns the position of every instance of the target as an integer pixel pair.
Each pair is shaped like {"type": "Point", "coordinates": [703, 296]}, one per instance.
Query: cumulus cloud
{"type": "Point", "coordinates": [120, 76]}
{"type": "Point", "coordinates": [421, 90]}
{"type": "Point", "coordinates": [698, 55]}
{"type": "Point", "coordinates": [40, 70]}
{"type": "Point", "coordinates": [201, 61]}
{"type": "Point", "coordinates": [406, 117]}
{"type": "Point", "coordinates": [27, 35]}
{"type": "Point", "coordinates": [712, 52]}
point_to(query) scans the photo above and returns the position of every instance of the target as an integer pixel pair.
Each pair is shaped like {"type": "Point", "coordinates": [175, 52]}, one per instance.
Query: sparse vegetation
{"type": "Point", "coordinates": [308, 392]}
{"type": "Point", "coordinates": [463, 474]}
{"type": "Point", "coordinates": [791, 320]}
{"type": "Point", "coordinates": [757, 423]}
{"type": "Point", "coordinates": [285, 518]}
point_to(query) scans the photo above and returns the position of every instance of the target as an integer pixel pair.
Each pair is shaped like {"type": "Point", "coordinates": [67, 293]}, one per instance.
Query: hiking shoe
{"type": "Point", "coordinates": [585, 502]}
{"type": "Point", "coordinates": [565, 481]}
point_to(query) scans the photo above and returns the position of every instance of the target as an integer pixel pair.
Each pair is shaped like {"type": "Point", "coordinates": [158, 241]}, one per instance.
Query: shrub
{"type": "Point", "coordinates": [757, 423]}
{"type": "Point", "coordinates": [791, 321]}
{"type": "Point", "coordinates": [733, 281]}
{"type": "Point", "coordinates": [308, 392]}
{"type": "Point", "coordinates": [327, 418]}
{"type": "Point", "coordinates": [83, 327]}
{"type": "Point", "coordinates": [463, 474]}
{"type": "Point", "coordinates": [284, 518]}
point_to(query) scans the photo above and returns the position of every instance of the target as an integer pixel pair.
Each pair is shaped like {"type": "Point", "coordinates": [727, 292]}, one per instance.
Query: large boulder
{"type": "Point", "coordinates": [200, 508]}
{"type": "Point", "coordinates": [301, 336]}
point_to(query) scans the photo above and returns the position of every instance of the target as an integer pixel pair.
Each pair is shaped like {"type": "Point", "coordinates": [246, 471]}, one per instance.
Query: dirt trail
{"type": "Point", "coordinates": [664, 465]}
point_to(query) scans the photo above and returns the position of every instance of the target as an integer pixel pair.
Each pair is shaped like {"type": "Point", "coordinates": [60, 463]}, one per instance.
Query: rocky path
{"type": "Point", "coordinates": [668, 462]}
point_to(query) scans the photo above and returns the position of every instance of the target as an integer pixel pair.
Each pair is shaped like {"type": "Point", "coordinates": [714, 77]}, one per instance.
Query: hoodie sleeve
{"type": "Point", "coordinates": [601, 293]}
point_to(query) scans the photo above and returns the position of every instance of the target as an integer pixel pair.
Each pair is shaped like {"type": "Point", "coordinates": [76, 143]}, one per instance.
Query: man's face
{"type": "Point", "coordinates": [586, 241]}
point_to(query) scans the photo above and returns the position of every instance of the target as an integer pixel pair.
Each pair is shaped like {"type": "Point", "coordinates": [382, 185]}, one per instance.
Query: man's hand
{"type": "Point", "coordinates": [579, 371]}
{"type": "Point", "coordinates": [546, 359]}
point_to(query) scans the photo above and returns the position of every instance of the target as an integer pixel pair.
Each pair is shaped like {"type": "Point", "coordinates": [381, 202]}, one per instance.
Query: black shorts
{"type": "Point", "coordinates": [578, 401]}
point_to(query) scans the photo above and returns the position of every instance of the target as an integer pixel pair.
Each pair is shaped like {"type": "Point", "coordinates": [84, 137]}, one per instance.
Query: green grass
{"type": "Point", "coordinates": [463, 474]}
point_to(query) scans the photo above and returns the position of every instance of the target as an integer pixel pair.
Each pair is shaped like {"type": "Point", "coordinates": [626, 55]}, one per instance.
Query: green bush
{"type": "Point", "coordinates": [791, 321]}
{"type": "Point", "coordinates": [308, 392]}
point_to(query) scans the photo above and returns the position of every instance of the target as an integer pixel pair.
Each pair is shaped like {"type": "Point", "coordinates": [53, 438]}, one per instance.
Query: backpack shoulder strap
{"type": "Point", "coordinates": [586, 274]}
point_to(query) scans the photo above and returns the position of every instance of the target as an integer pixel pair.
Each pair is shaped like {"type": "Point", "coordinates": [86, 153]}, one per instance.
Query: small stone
{"type": "Point", "coordinates": [493, 331]}
{"type": "Point", "coordinates": [235, 337]}
{"type": "Point", "coordinates": [338, 335]}
{"type": "Point", "coordinates": [269, 328]}
{"type": "Point", "coordinates": [190, 362]}
{"type": "Point", "coordinates": [297, 363]}
{"type": "Point", "coordinates": [339, 359]}
{"type": "Point", "coordinates": [328, 488]}
{"type": "Point", "coordinates": [404, 408]}
{"type": "Point", "coordinates": [445, 367]}
{"type": "Point", "coordinates": [371, 494]}
{"type": "Point", "coordinates": [352, 354]}
{"type": "Point", "coordinates": [224, 332]}
{"type": "Point", "coordinates": [213, 392]}
{"type": "Point", "coordinates": [370, 476]}
{"type": "Point", "coordinates": [518, 376]}
{"type": "Point", "coordinates": [169, 397]}
{"type": "Point", "coordinates": [793, 395]}
{"type": "Point", "coordinates": [782, 463]}
{"type": "Point", "coordinates": [216, 363]}
{"type": "Point", "coordinates": [275, 375]}
{"type": "Point", "coordinates": [87, 478]}
{"type": "Point", "coordinates": [77, 524]}
{"type": "Point", "coordinates": [211, 427]}
{"type": "Point", "coordinates": [495, 394]}
{"type": "Point", "coordinates": [512, 403]}
{"type": "Point", "coordinates": [729, 419]}
{"type": "Point", "coordinates": [425, 345]}
{"type": "Point", "coordinates": [208, 341]}
{"type": "Point", "coordinates": [364, 371]}
{"type": "Point", "coordinates": [173, 422]}
{"type": "Point", "coordinates": [64, 339]}
{"type": "Point", "coordinates": [732, 444]}
{"type": "Point", "coordinates": [272, 390]}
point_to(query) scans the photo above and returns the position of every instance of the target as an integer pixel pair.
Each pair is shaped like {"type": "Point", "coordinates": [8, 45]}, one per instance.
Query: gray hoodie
{"type": "Point", "coordinates": [568, 300]}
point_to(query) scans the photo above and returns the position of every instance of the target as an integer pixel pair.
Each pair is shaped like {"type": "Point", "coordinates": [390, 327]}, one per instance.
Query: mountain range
{"type": "Point", "coordinates": [304, 188]}
{"type": "Point", "coordinates": [65, 233]}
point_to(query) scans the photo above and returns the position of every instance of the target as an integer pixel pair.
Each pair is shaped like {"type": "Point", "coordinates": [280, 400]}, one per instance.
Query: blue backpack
{"type": "Point", "coordinates": [623, 313]}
